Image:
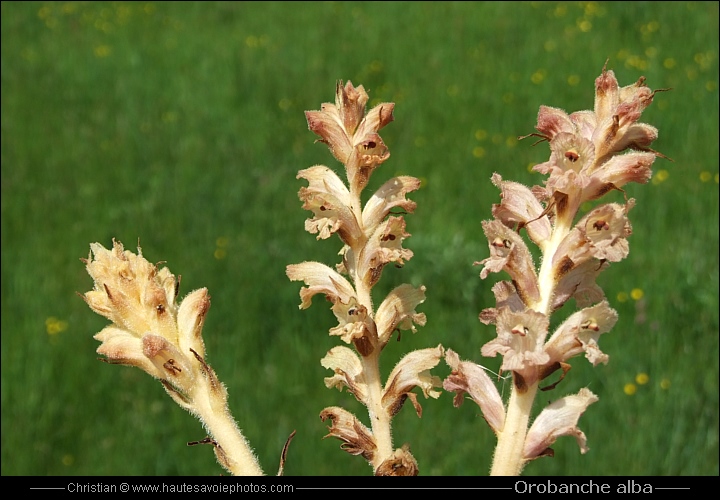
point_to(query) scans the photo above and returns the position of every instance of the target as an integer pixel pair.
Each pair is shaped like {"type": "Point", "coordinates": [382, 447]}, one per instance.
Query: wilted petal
{"type": "Point", "coordinates": [397, 311]}
{"type": "Point", "coordinates": [467, 377]}
{"type": "Point", "coordinates": [558, 419]}
{"type": "Point", "coordinates": [412, 371]}
{"type": "Point", "coordinates": [329, 199]}
{"type": "Point", "coordinates": [357, 439]}
{"type": "Point", "coordinates": [320, 279]}
{"type": "Point", "coordinates": [400, 463]}
{"type": "Point", "coordinates": [348, 372]}
{"type": "Point", "coordinates": [390, 195]}
{"type": "Point", "coordinates": [580, 333]}
{"type": "Point", "coordinates": [520, 340]}
{"type": "Point", "coordinates": [578, 282]}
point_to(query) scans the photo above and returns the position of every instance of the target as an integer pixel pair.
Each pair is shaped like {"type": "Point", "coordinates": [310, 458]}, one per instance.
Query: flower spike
{"type": "Point", "coordinates": [591, 154]}
{"type": "Point", "coordinates": [372, 237]}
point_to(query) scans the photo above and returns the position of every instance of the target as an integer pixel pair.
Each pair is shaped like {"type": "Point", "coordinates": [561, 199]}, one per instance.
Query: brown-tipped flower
{"type": "Point", "coordinates": [601, 234]}
{"type": "Point", "coordinates": [412, 371]}
{"type": "Point", "coordinates": [348, 372]}
{"type": "Point", "coordinates": [351, 134]}
{"type": "Point", "coordinates": [357, 439]}
{"type": "Point", "coordinates": [580, 333]}
{"type": "Point", "coordinates": [390, 195]}
{"type": "Point", "coordinates": [383, 246]}
{"type": "Point", "coordinates": [599, 238]}
{"type": "Point", "coordinates": [329, 199]}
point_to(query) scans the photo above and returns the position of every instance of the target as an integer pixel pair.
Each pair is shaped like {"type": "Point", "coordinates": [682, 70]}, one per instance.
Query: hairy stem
{"type": "Point", "coordinates": [234, 451]}
{"type": "Point", "coordinates": [508, 459]}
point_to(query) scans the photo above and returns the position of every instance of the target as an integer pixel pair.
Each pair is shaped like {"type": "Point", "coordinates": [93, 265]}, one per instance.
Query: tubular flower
{"type": "Point", "coordinates": [390, 195]}
{"type": "Point", "coordinates": [520, 340]}
{"type": "Point", "coordinates": [397, 312]}
{"type": "Point", "coordinates": [508, 252]}
{"type": "Point", "coordinates": [580, 332]}
{"type": "Point", "coordinates": [348, 372]}
{"type": "Point", "coordinates": [412, 371]}
{"type": "Point", "coordinates": [520, 208]}
{"type": "Point", "coordinates": [320, 279]}
{"type": "Point", "coordinates": [329, 199]}
{"type": "Point", "coordinates": [357, 439]}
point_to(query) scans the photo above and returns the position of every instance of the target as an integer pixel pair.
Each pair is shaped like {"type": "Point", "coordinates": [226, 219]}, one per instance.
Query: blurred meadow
{"type": "Point", "coordinates": [180, 127]}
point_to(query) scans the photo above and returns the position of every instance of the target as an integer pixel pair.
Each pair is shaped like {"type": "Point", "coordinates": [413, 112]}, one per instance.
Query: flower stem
{"type": "Point", "coordinates": [379, 418]}
{"type": "Point", "coordinates": [234, 451]}
{"type": "Point", "coordinates": [508, 459]}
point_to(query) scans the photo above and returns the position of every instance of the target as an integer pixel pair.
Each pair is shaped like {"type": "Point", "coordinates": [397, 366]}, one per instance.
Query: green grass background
{"type": "Point", "coordinates": [181, 126]}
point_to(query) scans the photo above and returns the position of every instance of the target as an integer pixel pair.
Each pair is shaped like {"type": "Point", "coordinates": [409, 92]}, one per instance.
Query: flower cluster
{"type": "Point", "coordinates": [592, 153]}
{"type": "Point", "coordinates": [588, 159]}
{"type": "Point", "coordinates": [372, 238]}
{"type": "Point", "coordinates": [151, 332]}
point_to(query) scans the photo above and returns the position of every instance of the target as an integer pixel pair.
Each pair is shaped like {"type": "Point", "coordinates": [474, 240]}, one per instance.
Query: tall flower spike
{"type": "Point", "coordinates": [588, 159]}
{"type": "Point", "coordinates": [372, 237]}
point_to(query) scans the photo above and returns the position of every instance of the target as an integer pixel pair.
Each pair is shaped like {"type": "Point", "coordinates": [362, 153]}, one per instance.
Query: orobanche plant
{"type": "Point", "coordinates": [591, 154]}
